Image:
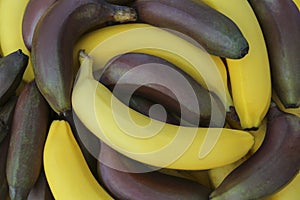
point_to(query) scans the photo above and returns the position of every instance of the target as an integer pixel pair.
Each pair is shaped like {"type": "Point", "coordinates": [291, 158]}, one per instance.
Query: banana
{"type": "Point", "coordinates": [273, 166]}
{"type": "Point", "coordinates": [119, 176]}
{"type": "Point", "coordinates": [155, 143]}
{"type": "Point", "coordinates": [69, 180]}
{"type": "Point", "coordinates": [221, 38]}
{"type": "Point", "coordinates": [290, 191]}
{"type": "Point", "coordinates": [12, 68]}
{"type": "Point", "coordinates": [28, 135]}
{"type": "Point", "coordinates": [208, 70]}
{"type": "Point", "coordinates": [160, 81]}
{"type": "Point", "coordinates": [11, 15]}
{"type": "Point", "coordinates": [6, 114]}
{"type": "Point", "coordinates": [279, 26]}
{"type": "Point", "coordinates": [33, 13]}
{"type": "Point", "coordinates": [41, 190]}
{"type": "Point", "coordinates": [67, 20]}
{"type": "Point", "coordinates": [3, 157]}
{"type": "Point", "coordinates": [250, 76]}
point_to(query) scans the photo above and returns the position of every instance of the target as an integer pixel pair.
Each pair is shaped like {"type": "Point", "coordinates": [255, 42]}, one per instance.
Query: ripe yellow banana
{"type": "Point", "coordinates": [187, 54]}
{"type": "Point", "coordinates": [249, 76]}
{"type": "Point", "coordinates": [11, 39]}
{"type": "Point", "coordinates": [289, 192]}
{"type": "Point", "coordinates": [150, 141]}
{"type": "Point", "coordinates": [66, 171]}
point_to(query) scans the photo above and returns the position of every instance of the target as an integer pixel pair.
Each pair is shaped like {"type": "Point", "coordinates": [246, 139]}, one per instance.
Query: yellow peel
{"type": "Point", "coordinates": [11, 39]}
{"type": "Point", "coordinates": [66, 170]}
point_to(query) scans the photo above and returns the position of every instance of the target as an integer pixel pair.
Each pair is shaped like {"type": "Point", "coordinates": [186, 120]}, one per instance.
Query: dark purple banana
{"type": "Point", "coordinates": [28, 134]}
{"type": "Point", "coordinates": [12, 68]}
{"type": "Point", "coordinates": [273, 166]}
{"type": "Point", "coordinates": [33, 13]}
{"type": "Point", "coordinates": [280, 23]}
{"type": "Point", "coordinates": [215, 32]}
{"type": "Point", "coordinates": [54, 38]}
{"type": "Point", "coordinates": [161, 82]}
{"type": "Point", "coordinates": [143, 185]}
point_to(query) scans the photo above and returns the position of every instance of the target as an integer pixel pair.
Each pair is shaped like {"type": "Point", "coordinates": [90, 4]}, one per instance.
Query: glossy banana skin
{"type": "Point", "coordinates": [274, 164]}
{"type": "Point", "coordinates": [147, 186]}
{"type": "Point", "coordinates": [12, 68]}
{"type": "Point", "coordinates": [33, 13]}
{"type": "Point", "coordinates": [185, 107]}
{"type": "Point", "coordinates": [67, 20]}
{"type": "Point", "coordinates": [28, 135]}
{"type": "Point", "coordinates": [280, 23]}
{"type": "Point", "coordinates": [211, 29]}
{"type": "Point", "coordinates": [6, 115]}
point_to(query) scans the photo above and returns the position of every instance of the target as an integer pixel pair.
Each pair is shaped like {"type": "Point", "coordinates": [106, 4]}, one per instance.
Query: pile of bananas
{"type": "Point", "coordinates": [149, 99]}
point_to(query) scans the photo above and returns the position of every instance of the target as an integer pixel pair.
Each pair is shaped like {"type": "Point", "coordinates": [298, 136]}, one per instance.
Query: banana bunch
{"type": "Point", "coordinates": [149, 99]}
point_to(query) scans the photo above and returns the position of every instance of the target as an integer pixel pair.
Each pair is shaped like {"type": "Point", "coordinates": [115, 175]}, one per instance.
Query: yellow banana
{"type": "Point", "coordinates": [289, 192]}
{"type": "Point", "coordinates": [66, 171]}
{"type": "Point", "coordinates": [11, 39]}
{"type": "Point", "coordinates": [111, 37]}
{"type": "Point", "coordinates": [249, 76]}
{"type": "Point", "coordinates": [150, 141]}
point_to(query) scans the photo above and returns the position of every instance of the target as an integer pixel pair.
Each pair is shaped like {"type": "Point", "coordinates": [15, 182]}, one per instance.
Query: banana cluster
{"type": "Point", "coordinates": [149, 99]}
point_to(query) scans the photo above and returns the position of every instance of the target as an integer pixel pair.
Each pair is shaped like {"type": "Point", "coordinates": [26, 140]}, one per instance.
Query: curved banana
{"type": "Point", "coordinates": [67, 20]}
{"type": "Point", "coordinates": [32, 14]}
{"type": "Point", "coordinates": [279, 26]}
{"type": "Point", "coordinates": [151, 141]}
{"type": "Point", "coordinates": [249, 76]}
{"type": "Point", "coordinates": [216, 33]}
{"type": "Point", "coordinates": [66, 170]}
{"type": "Point", "coordinates": [188, 54]}
{"type": "Point", "coordinates": [11, 39]}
